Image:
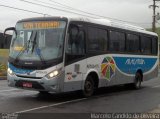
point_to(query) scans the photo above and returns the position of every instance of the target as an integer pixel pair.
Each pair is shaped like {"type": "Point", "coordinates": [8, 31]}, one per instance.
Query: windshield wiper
{"type": "Point", "coordinates": [24, 48]}
{"type": "Point", "coordinates": [34, 42]}
{"type": "Point", "coordinates": [37, 50]}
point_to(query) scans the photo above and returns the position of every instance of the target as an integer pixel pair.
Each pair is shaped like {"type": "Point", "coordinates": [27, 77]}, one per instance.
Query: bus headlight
{"type": "Point", "coordinates": [10, 71]}
{"type": "Point", "coordinates": [53, 74]}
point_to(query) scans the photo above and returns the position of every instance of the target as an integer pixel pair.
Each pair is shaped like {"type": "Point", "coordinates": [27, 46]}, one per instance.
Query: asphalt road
{"type": "Point", "coordinates": [117, 99]}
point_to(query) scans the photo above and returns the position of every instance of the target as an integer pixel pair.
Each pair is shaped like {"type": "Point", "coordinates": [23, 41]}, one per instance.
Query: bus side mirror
{"type": "Point", "coordinates": [9, 29]}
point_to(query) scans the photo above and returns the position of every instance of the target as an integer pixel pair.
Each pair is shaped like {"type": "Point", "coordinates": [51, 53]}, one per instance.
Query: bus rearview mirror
{"type": "Point", "coordinates": [9, 29]}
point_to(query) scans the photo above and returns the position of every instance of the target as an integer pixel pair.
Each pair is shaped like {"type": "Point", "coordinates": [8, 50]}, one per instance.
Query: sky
{"type": "Point", "coordinates": [135, 12]}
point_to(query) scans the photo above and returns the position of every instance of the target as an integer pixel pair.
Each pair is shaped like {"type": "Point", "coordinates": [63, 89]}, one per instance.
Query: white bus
{"type": "Point", "coordinates": [61, 54]}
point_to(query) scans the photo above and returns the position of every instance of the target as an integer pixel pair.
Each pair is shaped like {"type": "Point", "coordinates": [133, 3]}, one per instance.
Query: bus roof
{"type": "Point", "coordinates": [105, 22]}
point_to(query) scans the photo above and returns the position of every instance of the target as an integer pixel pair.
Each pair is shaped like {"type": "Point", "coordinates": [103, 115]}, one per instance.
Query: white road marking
{"type": "Point", "coordinates": [52, 105]}
{"type": "Point", "coordinates": [1, 91]}
{"type": "Point", "coordinates": [156, 86]}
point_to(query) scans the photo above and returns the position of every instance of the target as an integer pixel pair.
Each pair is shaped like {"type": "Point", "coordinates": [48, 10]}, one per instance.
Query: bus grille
{"type": "Point", "coordinates": [28, 77]}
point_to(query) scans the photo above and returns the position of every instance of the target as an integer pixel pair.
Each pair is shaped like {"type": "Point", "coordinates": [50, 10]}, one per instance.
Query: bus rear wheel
{"type": "Point", "coordinates": [88, 87]}
{"type": "Point", "coordinates": [137, 81]}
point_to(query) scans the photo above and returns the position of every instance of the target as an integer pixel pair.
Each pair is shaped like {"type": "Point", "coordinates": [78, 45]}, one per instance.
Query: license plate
{"type": "Point", "coordinates": [27, 85]}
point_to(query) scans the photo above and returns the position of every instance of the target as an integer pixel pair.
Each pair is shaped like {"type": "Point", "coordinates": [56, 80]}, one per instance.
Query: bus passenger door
{"type": "Point", "coordinates": [75, 54]}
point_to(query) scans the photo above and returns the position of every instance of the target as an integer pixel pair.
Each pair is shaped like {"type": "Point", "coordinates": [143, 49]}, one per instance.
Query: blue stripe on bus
{"type": "Point", "coordinates": [19, 70]}
{"type": "Point", "coordinates": [130, 65]}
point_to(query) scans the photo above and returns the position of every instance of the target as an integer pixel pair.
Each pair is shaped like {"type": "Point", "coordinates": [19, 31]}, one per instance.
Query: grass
{"type": "Point", "coordinates": [3, 61]}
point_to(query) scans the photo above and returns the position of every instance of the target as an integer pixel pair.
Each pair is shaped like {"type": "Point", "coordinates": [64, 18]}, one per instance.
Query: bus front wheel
{"type": "Point", "coordinates": [88, 87]}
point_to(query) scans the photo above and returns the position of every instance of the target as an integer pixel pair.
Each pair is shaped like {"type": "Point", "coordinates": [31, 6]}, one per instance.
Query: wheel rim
{"type": "Point", "coordinates": [88, 88]}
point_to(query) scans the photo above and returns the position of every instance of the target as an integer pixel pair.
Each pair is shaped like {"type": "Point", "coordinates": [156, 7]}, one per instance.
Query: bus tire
{"type": "Point", "coordinates": [137, 81]}
{"type": "Point", "coordinates": [88, 87]}
{"type": "Point", "coordinates": [43, 92]}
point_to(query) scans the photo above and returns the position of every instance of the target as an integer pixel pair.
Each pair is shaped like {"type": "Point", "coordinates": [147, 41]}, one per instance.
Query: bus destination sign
{"type": "Point", "coordinates": [41, 25]}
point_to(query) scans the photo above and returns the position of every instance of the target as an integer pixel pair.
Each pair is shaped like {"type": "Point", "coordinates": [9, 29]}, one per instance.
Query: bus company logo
{"type": "Point", "coordinates": [108, 68]}
{"type": "Point", "coordinates": [135, 62]}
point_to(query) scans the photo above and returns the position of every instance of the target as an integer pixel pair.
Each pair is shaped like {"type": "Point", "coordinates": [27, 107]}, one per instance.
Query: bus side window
{"type": "Point", "coordinates": [117, 41]}
{"type": "Point", "coordinates": [133, 43]}
{"type": "Point", "coordinates": [97, 39]}
{"type": "Point", "coordinates": [76, 44]}
{"type": "Point", "coordinates": [80, 43]}
{"type": "Point", "coordinates": [154, 46]}
{"type": "Point", "coordinates": [146, 44]}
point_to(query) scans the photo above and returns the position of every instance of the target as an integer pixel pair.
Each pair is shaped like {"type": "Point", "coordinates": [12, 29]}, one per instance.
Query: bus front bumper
{"type": "Point", "coordinates": [43, 84]}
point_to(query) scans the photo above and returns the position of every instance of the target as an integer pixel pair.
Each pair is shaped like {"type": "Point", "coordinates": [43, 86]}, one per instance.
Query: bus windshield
{"type": "Point", "coordinates": [37, 41]}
